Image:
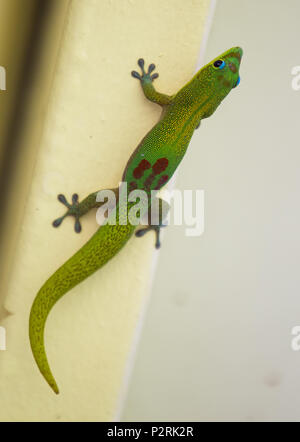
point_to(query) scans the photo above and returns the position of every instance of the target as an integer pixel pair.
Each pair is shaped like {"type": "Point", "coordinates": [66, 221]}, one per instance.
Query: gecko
{"type": "Point", "coordinates": [149, 168]}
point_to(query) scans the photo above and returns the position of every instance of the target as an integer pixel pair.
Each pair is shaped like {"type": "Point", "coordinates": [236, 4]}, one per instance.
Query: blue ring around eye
{"type": "Point", "coordinates": [238, 81]}
{"type": "Point", "coordinates": [219, 64]}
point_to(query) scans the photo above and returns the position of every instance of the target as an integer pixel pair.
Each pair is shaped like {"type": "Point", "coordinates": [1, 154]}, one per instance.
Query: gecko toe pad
{"type": "Point", "coordinates": [73, 210]}
{"type": "Point", "coordinates": [145, 76]}
{"type": "Point", "coordinates": [141, 232]}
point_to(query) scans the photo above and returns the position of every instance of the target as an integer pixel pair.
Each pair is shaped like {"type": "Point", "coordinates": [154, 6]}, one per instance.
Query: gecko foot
{"type": "Point", "coordinates": [146, 76]}
{"type": "Point", "coordinates": [73, 210]}
{"type": "Point", "coordinates": [142, 232]}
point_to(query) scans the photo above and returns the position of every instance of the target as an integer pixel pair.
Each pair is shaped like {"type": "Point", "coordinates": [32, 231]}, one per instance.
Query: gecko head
{"type": "Point", "coordinates": [224, 70]}
{"type": "Point", "coordinates": [216, 79]}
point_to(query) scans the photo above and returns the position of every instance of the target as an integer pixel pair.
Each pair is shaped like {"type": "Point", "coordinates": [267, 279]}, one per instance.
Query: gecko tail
{"type": "Point", "coordinates": [102, 246]}
{"type": "Point", "coordinates": [37, 320]}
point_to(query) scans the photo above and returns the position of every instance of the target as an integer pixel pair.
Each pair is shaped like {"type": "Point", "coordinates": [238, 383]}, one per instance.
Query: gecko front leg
{"type": "Point", "coordinates": [146, 80]}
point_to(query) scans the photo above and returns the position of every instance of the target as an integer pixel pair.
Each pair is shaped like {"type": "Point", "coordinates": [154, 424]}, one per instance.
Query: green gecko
{"type": "Point", "coordinates": [149, 168]}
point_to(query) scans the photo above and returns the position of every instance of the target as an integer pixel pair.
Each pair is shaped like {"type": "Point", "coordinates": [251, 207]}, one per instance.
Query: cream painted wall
{"type": "Point", "coordinates": [95, 117]}
{"type": "Point", "coordinates": [216, 343]}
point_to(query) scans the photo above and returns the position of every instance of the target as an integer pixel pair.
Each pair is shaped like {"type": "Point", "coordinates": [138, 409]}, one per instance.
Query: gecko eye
{"type": "Point", "coordinates": [238, 82]}
{"type": "Point", "coordinates": [219, 64]}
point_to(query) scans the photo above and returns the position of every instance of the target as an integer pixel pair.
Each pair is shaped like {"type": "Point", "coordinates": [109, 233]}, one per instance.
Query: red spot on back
{"type": "Point", "coordinates": [160, 165]}
{"type": "Point", "coordinates": [162, 180]}
{"type": "Point", "coordinates": [140, 169]}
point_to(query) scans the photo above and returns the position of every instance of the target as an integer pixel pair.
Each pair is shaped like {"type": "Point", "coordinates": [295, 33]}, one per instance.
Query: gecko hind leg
{"type": "Point", "coordinates": [156, 220]}
{"type": "Point", "coordinates": [141, 232]}
{"type": "Point", "coordinates": [78, 209]}
{"type": "Point", "coordinates": [73, 210]}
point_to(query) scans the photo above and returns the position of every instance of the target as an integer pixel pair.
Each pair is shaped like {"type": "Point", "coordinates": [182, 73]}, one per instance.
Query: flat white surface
{"type": "Point", "coordinates": [216, 342]}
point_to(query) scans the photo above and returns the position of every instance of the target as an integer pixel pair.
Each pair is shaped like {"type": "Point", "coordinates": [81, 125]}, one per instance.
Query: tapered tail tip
{"type": "Point", "coordinates": [54, 387]}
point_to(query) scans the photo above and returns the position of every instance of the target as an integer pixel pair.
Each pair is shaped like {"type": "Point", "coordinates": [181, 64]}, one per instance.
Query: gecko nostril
{"type": "Point", "coordinates": [232, 67]}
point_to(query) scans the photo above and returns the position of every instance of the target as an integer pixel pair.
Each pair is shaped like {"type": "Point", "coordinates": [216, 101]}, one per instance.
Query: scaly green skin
{"type": "Point", "coordinates": [150, 167]}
